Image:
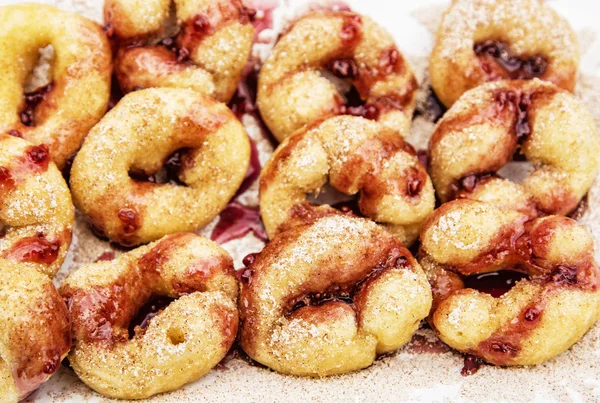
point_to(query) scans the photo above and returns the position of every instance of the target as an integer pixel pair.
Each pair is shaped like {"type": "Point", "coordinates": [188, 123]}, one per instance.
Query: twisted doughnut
{"type": "Point", "coordinates": [326, 298]}
{"type": "Point", "coordinates": [60, 114]}
{"type": "Point", "coordinates": [292, 92]}
{"type": "Point", "coordinates": [180, 344]}
{"type": "Point", "coordinates": [208, 53]}
{"type": "Point", "coordinates": [134, 140]}
{"type": "Point", "coordinates": [35, 334]}
{"type": "Point", "coordinates": [356, 155]}
{"type": "Point", "coordinates": [36, 212]}
{"type": "Point", "coordinates": [482, 131]}
{"type": "Point", "coordinates": [539, 317]}
{"type": "Point", "coordinates": [480, 41]}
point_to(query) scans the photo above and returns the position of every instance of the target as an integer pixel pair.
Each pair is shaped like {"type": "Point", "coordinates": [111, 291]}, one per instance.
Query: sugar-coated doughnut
{"type": "Point", "coordinates": [537, 319]}
{"type": "Point", "coordinates": [480, 41]}
{"type": "Point", "coordinates": [293, 92]}
{"type": "Point", "coordinates": [179, 344]}
{"type": "Point", "coordinates": [327, 298]}
{"type": "Point", "coordinates": [202, 140]}
{"type": "Point", "coordinates": [60, 114]}
{"type": "Point", "coordinates": [356, 156]}
{"type": "Point", "coordinates": [211, 44]}
{"type": "Point", "coordinates": [491, 123]}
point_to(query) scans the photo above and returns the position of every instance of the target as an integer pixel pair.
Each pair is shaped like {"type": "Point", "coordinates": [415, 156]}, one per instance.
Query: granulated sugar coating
{"type": "Point", "coordinates": [425, 369]}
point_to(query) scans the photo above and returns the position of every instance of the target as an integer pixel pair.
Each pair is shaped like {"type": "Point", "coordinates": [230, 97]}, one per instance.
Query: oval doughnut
{"type": "Point", "coordinates": [356, 156]}
{"type": "Point", "coordinates": [60, 114]}
{"type": "Point", "coordinates": [292, 91]}
{"type": "Point", "coordinates": [540, 317]}
{"type": "Point", "coordinates": [138, 135]}
{"type": "Point", "coordinates": [327, 298]}
{"type": "Point", "coordinates": [180, 344]}
{"type": "Point", "coordinates": [208, 54]}
{"type": "Point", "coordinates": [36, 212]}
{"type": "Point", "coordinates": [480, 41]}
{"type": "Point", "coordinates": [36, 330]}
{"type": "Point", "coordinates": [485, 128]}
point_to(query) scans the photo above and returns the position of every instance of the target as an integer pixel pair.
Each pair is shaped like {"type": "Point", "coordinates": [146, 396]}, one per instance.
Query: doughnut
{"type": "Point", "coordinates": [202, 143]}
{"type": "Point", "coordinates": [356, 155]}
{"type": "Point", "coordinates": [206, 51]}
{"type": "Point", "coordinates": [328, 297]}
{"type": "Point", "coordinates": [542, 315]}
{"type": "Point", "coordinates": [293, 91]}
{"type": "Point", "coordinates": [480, 41]}
{"type": "Point", "coordinates": [59, 114]}
{"type": "Point", "coordinates": [36, 211]}
{"type": "Point", "coordinates": [171, 347]}
{"type": "Point", "coordinates": [36, 330]}
{"type": "Point", "coordinates": [484, 129]}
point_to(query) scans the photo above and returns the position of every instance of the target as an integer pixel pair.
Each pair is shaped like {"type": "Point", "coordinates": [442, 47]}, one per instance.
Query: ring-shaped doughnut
{"type": "Point", "coordinates": [36, 211]}
{"type": "Point", "coordinates": [60, 114]}
{"type": "Point", "coordinates": [180, 344]}
{"type": "Point", "coordinates": [537, 319]}
{"type": "Point", "coordinates": [356, 155]}
{"type": "Point", "coordinates": [327, 298]}
{"type": "Point", "coordinates": [480, 41]}
{"type": "Point", "coordinates": [292, 91]}
{"type": "Point", "coordinates": [484, 129]}
{"type": "Point", "coordinates": [138, 135]}
{"type": "Point", "coordinates": [208, 54]}
{"type": "Point", "coordinates": [36, 330]}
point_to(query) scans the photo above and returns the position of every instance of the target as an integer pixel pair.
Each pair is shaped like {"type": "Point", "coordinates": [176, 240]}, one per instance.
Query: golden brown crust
{"type": "Point", "coordinates": [138, 135]}
{"type": "Point", "coordinates": [540, 317]}
{"type": "Point", "coordinates": [208, 53]}
{"type": "Point", "coordinates": [36, 330]}
{"type": "Point", "coordinates": [356, 156]}
{"type": "Point", "coordinates": [36, 212]}
{"type": "Point", "coordinates": [480, 41]}
{"type": "Point", "coordinates": [180, 344]}
{"type": "Point", "coordinates": [293, 93]}
{"type": "Point", "coordinates": [326, 298]}
{"type": "Point", "coordinates": [489, 124]}
{"type": "Point", "coordinates": [61, 114]}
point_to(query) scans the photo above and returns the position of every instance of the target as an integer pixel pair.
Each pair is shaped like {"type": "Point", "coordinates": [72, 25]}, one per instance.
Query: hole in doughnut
{"type": "Point", "coordinates": [169, 173]}
{"type": "Point", "coordinates": [155, 305]}
{"type": "Point", "coordinates": [495, 283]}
{"type": "Point", "coordinates": [37, 85]}
{"type": "Point", "coordinates": [514, 67]}
{"type": "Point", "coordinates": [340, 73]}
{"type": "Point", "coordinates": [331, 196]}
{"type": "Point", "coordinates": [516, 170]}
{"type": "Point", "coordinates": [175, 335]}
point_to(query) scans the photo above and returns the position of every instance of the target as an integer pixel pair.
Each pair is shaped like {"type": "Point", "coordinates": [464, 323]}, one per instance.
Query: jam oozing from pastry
{"type": "Point", "coordinates": [154, 306]}
{"type": "Point", "coordinates": [169, 173]}
{"type": "Point", "coordinates": [515, 67]}
{"type": "Point", "coordinates": [235, 221]}
{"type": "Point", "coordinates": [130, 219]}
{"type": "Point", "coordinates": [355, 106]}
{"type": "Point", "coordinates": [32, 100]}
{"type": "Point", "coordinates": [471, 365]}
{"type": "Point", "coordinates": [36, 249]}
{"type": "Point", "coordinates": [496, 284]}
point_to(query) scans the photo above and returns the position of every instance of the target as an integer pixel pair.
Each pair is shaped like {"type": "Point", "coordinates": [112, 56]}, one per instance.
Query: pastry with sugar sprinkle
{"type": "Point", "coordinates": [482, 40]}
{"type": "Point", "coordinates": [59, 110]}
{"type": "Point", "coordinates": [496, 122]}
{"type": "Point", "coordinates": [293, 91]}
{"type": "Point", "coordinates": [119, 358]}
{"type": "Point", "coordinates": [203, 47]}
{"type": "Point", "coordinates": [540, 316]}
{"type": "Point", "coordinates": [327, 298]}
{"type": "Point", "coordinates": [356, 156]}
{"type": "Point", "coordinates": [164, 160]}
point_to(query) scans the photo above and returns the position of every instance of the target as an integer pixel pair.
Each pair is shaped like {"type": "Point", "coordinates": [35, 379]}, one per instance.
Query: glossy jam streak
{"type": "Point", "coordinates": [236, 221]}
{"type": "Point", "coordinates": [32, 100]}
{"type": "Point", "coordinates": [36, 249]}
{"type": "Point", "coordinates": [130, 220]}
{"type": "Point", "coordinates": [496, 283]}
{"type": "Point", "coordinates": [521, 68]}
{"type": "Point", "coordinates": [6, 180]}
{"type": "Point", "coordinates": [147, 312]}
{"type": "Point", "coordinates": [106, 256]}
{"type": "Point", "coordinates": [344, 68]}
{"type": "Point", "coordinates": [471, 365]}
